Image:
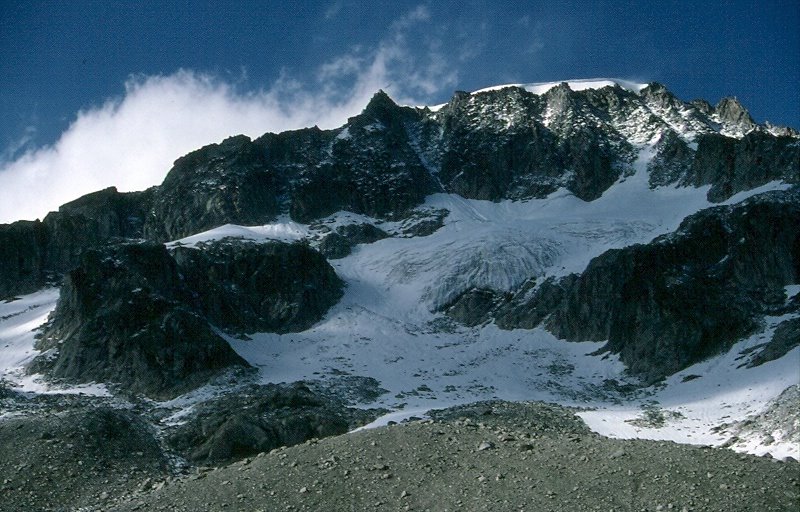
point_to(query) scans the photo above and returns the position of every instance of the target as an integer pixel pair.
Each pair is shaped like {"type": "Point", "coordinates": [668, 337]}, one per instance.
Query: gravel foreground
{"type": "Point", "coordinates": [493, 456]}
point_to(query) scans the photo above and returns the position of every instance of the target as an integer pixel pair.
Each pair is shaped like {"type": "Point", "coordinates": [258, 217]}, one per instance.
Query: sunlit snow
{"type": "Point", "coordinates": [574, 84]}
{"type": "Point", "coordinates": [386, 325]}
{"type": "Point", "coordinates": [286, 231]}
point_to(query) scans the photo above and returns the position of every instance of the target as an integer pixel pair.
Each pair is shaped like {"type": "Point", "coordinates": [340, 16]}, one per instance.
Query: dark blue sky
{"type": "Point", "coordinates": [57, 58]}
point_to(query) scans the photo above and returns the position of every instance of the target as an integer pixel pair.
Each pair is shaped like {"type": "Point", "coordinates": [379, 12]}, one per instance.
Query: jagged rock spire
{"type": "Point", "coordinates": [729, 110]}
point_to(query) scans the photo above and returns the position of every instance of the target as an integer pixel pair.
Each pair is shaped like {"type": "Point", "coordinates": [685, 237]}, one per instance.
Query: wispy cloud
{"type": "Point", "coordinates": [131, 141]}
{"type": "Point", "coordinates": [20, 145]}
{"type": "Point", "coordinates": [333, 10]}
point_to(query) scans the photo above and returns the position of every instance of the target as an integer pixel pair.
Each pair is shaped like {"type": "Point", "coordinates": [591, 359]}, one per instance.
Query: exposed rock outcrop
{"type": "Point", "coordinates": [31, 253]}
{"type": "Point", "coordinates": [265, 287]}
{"type": "Point", "coordinates": [532, 304]}
{"type": "Point", "coordinates": [496, 145]}
{"type": "Point", "coordinates": [733, 165]}
{"type": "Point", "coordinates": [672, 160]}
{"type": "Point", "coordinates": [22, 257]}
{"type": "Point", "coordinates": [785, 338]}
{"type": "Point", "coordinates": [685, 296]}
{"type": "Point", "coordinates": [133, 315]}
{"type": "Point", "coordinates": [260, 419]}
{"type": "Point", "coordinates": [732, 113]}
{"type": "Point", "coordinates": [123, 318]}
{"type": "Point", "coordinates": [340, 243]}
{"type": "Point", "coordinates": [372, 167]}
{"type": "Point", "coordinates": [473, 307]}
{"type": "Point", "coordinates": [230, 182]}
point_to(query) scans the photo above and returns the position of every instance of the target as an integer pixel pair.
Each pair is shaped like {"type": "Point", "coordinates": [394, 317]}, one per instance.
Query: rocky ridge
{"type": "Point", "coordinates": [503, 143]}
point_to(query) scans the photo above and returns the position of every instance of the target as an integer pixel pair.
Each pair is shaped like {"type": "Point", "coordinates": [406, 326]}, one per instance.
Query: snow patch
{"type": "Point", "coordinates": [791, 291]}
{"type": "Point", "coordinates": [286, 231]}
{"type": "Point", "coordinates": [706, 395]}
{"type": "Point", "coordinates": [20, 320]}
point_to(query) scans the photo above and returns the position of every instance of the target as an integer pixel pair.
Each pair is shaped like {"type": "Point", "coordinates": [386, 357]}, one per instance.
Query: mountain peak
{"type": "Point", "coordinates": [379, 103]}
{"type": "Point", "coordinates": [659, 94]}
{"type": "Point", "coordinates": [655, 88]}
{"type": "Point", "coordinates": [731, 111]}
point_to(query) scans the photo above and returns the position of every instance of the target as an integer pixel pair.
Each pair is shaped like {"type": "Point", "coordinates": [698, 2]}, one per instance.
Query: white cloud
{"type": "Point", "coordinates": [131, 142]}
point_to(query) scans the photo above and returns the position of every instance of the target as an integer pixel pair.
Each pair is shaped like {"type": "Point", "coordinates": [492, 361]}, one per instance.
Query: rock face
{"type": "Point", "coordinates": [33, 252]}
{"type": "Point", "coordinates": [473, 307]}
{"type": "Point", "coordinates": [733, 165]}
{"type": "Point", "coordinates": [230, 182]}
{"type": "Point", "coordinates": [499, 144]}
{"type": "Point", "coordinates": [123, 318]}
{"type": "Point", "coordinates": [92, 220]}
{"type": "Point", "coordinates": [785, 338]}
{"type": "Point", "coordinates": [340, 243]}
{"type": "Point", "coordinates": [22, 257]}
{"type": "Point", "coordinates": [371, 167]}
{"type": "Point", "coordinates": [685, 296]}
{"type": "Point", "coordinates": [133, 315]}
{"type": "Point", "coordinates": [533, 304]}
{"type": "Point", "coordinates": [260, 419]}
{"type": "Point", "coordinates": [267, 287]}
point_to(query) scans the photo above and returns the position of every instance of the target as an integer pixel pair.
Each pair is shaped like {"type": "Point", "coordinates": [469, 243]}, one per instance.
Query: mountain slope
{"type": "Point", "coordinates": [499, 143]}
{"type": "Point", "coordinates": [591, 244]}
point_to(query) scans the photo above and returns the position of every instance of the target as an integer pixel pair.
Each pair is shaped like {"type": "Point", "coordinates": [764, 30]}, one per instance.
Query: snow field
{"type": "Point", "coordinates": [387, 326]}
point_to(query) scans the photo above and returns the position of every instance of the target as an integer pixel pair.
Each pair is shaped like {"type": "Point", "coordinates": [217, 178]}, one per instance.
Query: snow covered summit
{"type": "Point", "coordinates": [574, 84]}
